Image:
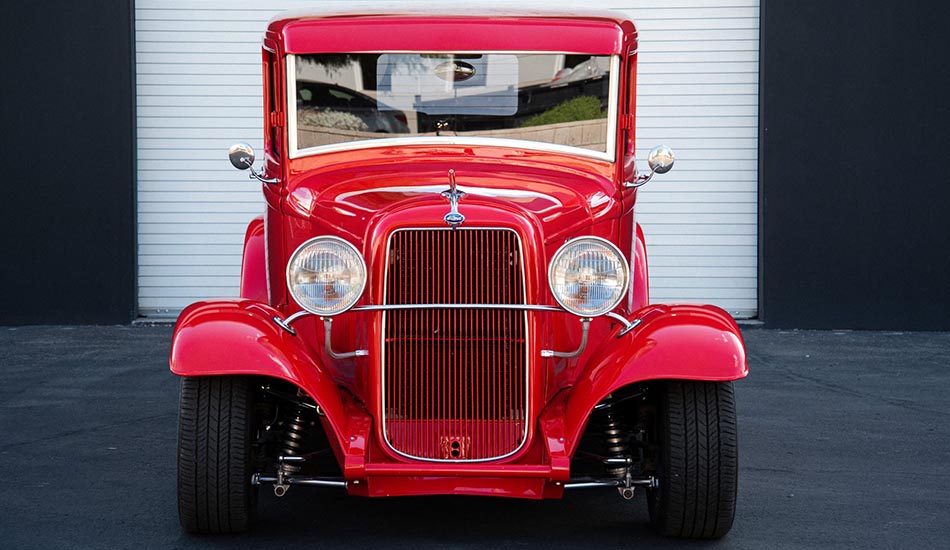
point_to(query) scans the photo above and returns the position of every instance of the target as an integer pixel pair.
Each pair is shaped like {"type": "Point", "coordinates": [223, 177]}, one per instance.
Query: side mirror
{"type": "Point", "coordinates": [661, 161]}
{"type": "Point", "coordinates": [241, 156]}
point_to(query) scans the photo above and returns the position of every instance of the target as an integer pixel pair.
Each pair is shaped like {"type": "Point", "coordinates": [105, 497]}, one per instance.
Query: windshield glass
{"type": "Point", "coordinates": [558, 99]}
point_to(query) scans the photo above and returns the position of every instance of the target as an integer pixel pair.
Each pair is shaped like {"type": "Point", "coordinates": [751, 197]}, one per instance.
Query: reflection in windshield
{"type": "Point", "coordinates": [551, 98]}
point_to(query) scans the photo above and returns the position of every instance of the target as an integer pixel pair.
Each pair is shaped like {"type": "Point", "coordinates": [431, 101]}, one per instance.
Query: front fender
{"type": "Point", "coordinates": [239, 337]}
{"type": "Point", "coordinates": [687, 342]}
{"type": "Point", "coordinates": [254, 262]}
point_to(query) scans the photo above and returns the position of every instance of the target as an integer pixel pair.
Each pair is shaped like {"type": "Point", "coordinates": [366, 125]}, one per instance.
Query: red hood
{"type": "Point", "coordinates": [559, 196]}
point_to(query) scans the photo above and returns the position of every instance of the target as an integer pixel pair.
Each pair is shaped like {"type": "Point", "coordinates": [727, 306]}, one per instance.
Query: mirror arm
{"type": "Point", "coordinates": [257, 175]}
{"type": "Point", "coordinates": [639, 180]}
{"type": "Point", "coordinates": [661, 161]}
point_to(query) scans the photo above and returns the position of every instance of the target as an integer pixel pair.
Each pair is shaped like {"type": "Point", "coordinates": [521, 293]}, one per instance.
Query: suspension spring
{"type": "Point", "coordinates": [615, 439]}
{"type": "Point", "coordinates": [294, 439]}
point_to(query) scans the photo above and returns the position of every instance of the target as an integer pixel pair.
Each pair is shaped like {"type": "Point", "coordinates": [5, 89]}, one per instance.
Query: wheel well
{"type": "Point", "coordinates": [290, 422]}
{"type": "Point", "coordinates": [628, 414]}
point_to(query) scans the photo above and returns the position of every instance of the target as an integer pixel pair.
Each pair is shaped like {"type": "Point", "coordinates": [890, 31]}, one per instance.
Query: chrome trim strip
{"type": "Point", "coordinates": [448, 141]}
{"type": "Point", "coordinates": [627, 325]}
{"type": "Point", "coordinates": [527, 359]}
{"type": "Point", "coordinates": [291, 109]}
{"type": "Point", "coordinates": [613, 101]}
{"type": "Point", "coordinates": [425, 189]}
{"type": "Point", "coordinates": [609, 155]}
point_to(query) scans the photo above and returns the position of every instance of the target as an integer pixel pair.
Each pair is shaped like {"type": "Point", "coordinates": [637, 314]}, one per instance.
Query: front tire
{"type": "Point", "coordinates": [215, 426]}
{"type": "Point", "coordinates": [697, 467]}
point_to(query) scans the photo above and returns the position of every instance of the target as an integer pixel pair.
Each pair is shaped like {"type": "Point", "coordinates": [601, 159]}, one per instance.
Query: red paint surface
{"type": "Point", "coordinates": [689, 342]}
{"type": "Point", "coordinates": [253, 264]}
{"type": "Point", "coordinates": [598, 34]}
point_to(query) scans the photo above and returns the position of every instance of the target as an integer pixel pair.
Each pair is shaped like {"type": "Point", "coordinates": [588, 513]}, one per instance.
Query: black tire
{"type": "Point", "coordinates": [698, 463]}
{"type": "Point", "coordinates": [215, 425]}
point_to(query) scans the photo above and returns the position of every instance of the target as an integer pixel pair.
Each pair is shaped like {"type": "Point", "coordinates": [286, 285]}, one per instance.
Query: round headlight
{"type": "Point", "coordinates": [326, 275]}
{"type": "Point", "coordinates": [588, 276]}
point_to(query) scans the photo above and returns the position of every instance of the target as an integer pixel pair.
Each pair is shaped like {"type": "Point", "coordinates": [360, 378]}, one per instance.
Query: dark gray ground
{"type": "Point", "coordinates": [845, 442]}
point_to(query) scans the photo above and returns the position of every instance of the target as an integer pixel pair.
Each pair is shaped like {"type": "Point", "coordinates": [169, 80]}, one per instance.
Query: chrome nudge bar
{"type": "Point", "coordinates": [585, 322]}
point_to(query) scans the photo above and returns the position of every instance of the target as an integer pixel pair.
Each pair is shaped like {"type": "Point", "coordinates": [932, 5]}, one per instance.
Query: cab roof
{"type": "Point", "coordinates": [451, 27]}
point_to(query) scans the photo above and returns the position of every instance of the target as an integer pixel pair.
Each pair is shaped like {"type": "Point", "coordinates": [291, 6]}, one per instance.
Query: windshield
{"type": "Point", "coordinates": [559, 100]}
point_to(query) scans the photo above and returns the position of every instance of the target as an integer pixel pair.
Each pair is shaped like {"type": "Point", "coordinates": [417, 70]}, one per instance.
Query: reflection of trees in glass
{"type": "Point", "coordinates": [327, 118]}
{"type": "Point", "coordinates": [331, 60]}
{"type": "Point", "coordinates": [579, 108]}
{"type": "Point", "coordinates": [333, 108]}
{"type": "Point", "coordinates": [334, 62]}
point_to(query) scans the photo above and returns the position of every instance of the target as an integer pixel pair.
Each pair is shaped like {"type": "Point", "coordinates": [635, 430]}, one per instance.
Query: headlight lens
{"type": "Point", "coordinates": [326, 275]}
{"type": "Point", "coordinates": [588, 276]}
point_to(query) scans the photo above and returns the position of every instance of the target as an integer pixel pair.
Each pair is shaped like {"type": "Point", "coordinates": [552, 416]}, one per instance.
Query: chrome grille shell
{"type": "Point", "coordinates": [455, 382]}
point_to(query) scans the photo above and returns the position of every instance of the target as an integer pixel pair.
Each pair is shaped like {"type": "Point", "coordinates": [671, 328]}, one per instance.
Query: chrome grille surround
{"type": "Point", "coordinates": [485, 415]}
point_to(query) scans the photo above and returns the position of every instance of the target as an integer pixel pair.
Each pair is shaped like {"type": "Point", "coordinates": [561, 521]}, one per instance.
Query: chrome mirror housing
{"type": "Point", "coordinates": [661, 159]}
{"type": "Point", "coordinates": [241, 156]}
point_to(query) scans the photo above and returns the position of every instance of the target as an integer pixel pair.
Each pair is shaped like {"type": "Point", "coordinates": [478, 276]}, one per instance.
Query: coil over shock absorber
{"type": "Point", "coordinates": [294, 438]}
{"type": "Point", "coordinates": [614, 439]}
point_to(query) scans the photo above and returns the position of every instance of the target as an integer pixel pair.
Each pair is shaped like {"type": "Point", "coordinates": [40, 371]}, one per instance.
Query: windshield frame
{"type": "Point", "coordinates": [612, 114]}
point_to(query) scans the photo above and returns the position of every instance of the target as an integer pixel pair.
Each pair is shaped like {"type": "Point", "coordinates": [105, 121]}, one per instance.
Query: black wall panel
{"type": "Point", "coordinates": [854, 190]}
{"type": "Point", "coordinates": [67, 248]}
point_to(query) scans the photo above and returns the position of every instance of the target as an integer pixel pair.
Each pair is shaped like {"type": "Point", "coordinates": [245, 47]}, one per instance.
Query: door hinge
{"type": "Point", "coordinates": [628, 122]}
{"type": "Point", "coordinates": [275, 119]}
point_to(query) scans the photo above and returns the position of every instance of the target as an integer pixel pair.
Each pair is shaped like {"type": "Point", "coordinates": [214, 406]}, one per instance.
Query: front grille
{"type": "Point", "coordinates": [454, 380]}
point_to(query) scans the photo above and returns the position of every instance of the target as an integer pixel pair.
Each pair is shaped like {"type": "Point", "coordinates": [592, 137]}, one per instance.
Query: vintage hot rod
{"type": "Point", "coordinates": [447, 292]}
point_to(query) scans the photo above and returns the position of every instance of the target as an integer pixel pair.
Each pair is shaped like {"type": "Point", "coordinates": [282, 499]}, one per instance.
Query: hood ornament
{"type": "Point", "coordinates": [454, 218]}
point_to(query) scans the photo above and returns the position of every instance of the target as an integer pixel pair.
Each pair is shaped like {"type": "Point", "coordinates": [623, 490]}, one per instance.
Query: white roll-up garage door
{"type": "Point", "coordinates": [198, 88]}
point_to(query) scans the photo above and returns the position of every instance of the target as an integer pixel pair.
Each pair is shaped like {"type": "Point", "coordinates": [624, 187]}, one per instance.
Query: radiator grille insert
{"type": "Point", "coordinates": [454, 380]}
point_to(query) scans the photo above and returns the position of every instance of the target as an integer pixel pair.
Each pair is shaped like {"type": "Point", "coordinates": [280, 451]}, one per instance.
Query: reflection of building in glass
{"type": "Point", "coordinates": [532, 70]}
{"type": "Point", "coordinates": [550, 98]}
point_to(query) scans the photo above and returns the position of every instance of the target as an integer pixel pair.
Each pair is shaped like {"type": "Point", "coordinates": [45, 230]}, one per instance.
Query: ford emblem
{"type": "Point", "coordinates": [454, 218]}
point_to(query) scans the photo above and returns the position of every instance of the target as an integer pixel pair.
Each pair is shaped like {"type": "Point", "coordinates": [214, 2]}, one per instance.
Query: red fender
{"type": "Point", "coordinates": [254, 263]}
{"type": "Point", "coordinates": [680, 341]}
{"type": "Point", "coordinates": [239, 337]}
{"type": "Point", "coordinates": [641, 276]}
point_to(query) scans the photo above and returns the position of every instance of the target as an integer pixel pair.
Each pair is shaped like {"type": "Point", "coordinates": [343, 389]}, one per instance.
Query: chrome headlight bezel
{"type": "Point", "coordinates": [613, 253]}
{"type": "Point", "coordinates": [359, 265]}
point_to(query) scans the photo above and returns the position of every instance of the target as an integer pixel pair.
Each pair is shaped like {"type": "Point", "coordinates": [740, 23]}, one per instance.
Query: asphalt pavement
{"type": "Point", "coordinates": [844, 443]}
